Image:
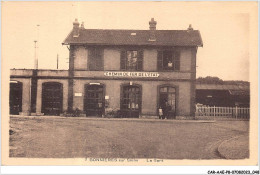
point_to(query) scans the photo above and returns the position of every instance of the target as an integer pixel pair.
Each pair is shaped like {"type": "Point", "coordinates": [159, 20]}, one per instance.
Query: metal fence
{"type": "Point", "coordinates": [232, 112]}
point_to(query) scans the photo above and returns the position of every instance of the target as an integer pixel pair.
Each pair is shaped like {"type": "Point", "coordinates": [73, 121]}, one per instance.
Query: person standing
{"type": "Point", "coordinates": [160, 112]}
{"type": "Point", "coordinates": [164, 109]}
{"type": "Point", "coordinates": [167, 111]}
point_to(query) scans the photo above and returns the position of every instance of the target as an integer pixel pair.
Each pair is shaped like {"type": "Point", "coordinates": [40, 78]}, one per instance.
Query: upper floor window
{"type": "Point", "coordinates": [168, 60]}
{"type": "Point", "coordinates": [95, 58]}
{"type": "Point", "coordinates": [132, 60]}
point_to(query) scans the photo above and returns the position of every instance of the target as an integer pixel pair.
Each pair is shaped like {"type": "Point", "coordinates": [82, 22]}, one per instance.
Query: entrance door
{"type": "Point", "coordinates": [94, 100]}
{"type": "Point", "coordinates": [131, 101]}
{"type": "Point", "coordinates": [15, 98]}
{"type": "Point", "coordinates": [167, 100]}
{"type": "Point", "coordinates": [52, 93]}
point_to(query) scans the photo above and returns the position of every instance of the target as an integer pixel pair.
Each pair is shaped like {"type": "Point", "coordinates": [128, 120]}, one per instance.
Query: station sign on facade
{"type": "Point", "coordinates": [131, 74]}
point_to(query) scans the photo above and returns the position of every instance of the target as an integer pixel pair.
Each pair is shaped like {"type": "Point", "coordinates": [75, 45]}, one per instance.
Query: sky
{"type": "Point", "coordinates": [224, 27]}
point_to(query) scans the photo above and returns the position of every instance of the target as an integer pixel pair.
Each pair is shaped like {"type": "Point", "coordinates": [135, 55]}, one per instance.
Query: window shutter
{"type": "Point", "coordinates": [123, 60]}
{"type": "Point", "coordinates": [160, 60]}
{"type": "Point", "coordinates": [177, 60]}
{"type": "Point", "coordinates": [91, 59]}
{"type": "Point", "coordinates": [140, 56]}
{"type": "Point", "coordinates": [99, 59]}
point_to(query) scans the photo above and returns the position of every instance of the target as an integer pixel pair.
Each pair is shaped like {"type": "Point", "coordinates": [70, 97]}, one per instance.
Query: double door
{"type": "Point", "coordinates": [94, 100]}
{"type": "Point", "coordinates": [15, 98]}
{"type": "Point", "coordinates": [52, 94]}
{"type": "Point", "coordinates": [131, 101]}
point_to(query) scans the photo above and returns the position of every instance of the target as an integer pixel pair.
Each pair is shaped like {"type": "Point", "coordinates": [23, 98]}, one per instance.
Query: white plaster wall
{"type": "Point", "coordinates": [150, 60]}
{"type": "Point", "coordinates": [111, 59]}
{"type": "Point", "coordinates": [185, 60]}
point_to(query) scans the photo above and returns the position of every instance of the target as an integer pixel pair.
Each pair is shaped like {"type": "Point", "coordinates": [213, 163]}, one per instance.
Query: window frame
{"type": "Point", "coordinates": [176, 57]}
{"type": "Point", "coordinates": [124, 59]}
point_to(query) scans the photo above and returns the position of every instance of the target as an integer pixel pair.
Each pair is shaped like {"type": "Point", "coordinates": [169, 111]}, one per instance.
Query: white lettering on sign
{"type": "Point", "coordinates": [78, 94]}
{"type": "Point", "coordinates": [131, 74]}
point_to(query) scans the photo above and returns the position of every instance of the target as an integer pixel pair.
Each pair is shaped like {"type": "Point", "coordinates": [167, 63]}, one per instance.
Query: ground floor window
{"type": "Point", "coordinates": [167, 101]}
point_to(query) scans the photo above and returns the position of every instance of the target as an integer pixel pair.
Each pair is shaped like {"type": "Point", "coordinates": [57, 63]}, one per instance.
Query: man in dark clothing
{"type": "Point", "coordinates": [164, 109]}
{"type": "Point", "coordinates": [167, 110]}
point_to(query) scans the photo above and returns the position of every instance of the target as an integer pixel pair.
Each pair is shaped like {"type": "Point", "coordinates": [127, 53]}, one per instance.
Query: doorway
{"type": "Point", "coordinates": [167, 99]}
{"type": "Point", "coordinates": [15, 97]}
{"type": "Point", "coordinates": [52, 93]}
{"type": "Point", "coordinates": [131, 101]}
{"type": "Point", "coordinates": [94, 100]}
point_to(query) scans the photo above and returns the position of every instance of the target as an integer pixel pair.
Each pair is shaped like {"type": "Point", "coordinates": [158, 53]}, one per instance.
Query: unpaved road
{"type": "Point", "coordinates": [54, 137]}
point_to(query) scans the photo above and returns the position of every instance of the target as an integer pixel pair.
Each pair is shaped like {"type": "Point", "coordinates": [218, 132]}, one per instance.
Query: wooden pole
{"type": "Point", "coordinates": [35, 55]}
{"type": "Point", "coordinates": [214, 110]}
{"type": "Point", "coordinates": [57, 61]}
{"type": "Point", "coordinates": [236, 112]}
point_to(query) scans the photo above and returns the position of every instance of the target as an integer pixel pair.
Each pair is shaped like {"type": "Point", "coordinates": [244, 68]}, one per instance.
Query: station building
{"type": "Point", "coordinates": [131, 71]}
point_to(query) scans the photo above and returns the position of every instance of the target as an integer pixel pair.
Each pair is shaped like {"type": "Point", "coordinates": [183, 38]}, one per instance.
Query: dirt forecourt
{"type": "Point", "coordinates": [60, 137]}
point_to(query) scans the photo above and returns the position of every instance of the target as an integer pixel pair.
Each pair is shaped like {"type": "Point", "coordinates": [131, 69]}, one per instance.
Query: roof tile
{"type": "Point", "coordinates": [124, 37]}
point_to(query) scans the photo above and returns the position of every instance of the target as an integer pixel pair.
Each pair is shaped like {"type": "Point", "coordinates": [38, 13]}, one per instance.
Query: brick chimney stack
{"type": "Point", "coordinates": [76, 28]}
{"type": "Point", "coordinates": [190, 27]}
{"type": "Point", "coordinates": [82, 25]}
{"type": "Point", "coordinates": [152, 24]}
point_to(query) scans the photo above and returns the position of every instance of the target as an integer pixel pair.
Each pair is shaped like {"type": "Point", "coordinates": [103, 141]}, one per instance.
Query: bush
{"type": "Point", "coordinates": [114, 114]}
{"type": "Point", "coordinates": [73, 113]}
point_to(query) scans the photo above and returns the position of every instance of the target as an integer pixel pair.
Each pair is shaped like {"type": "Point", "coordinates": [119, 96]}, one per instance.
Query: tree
{"type": "Point", "coordinates": [216, 80]}
{"type": "Point", "coordinates": [210, 80]}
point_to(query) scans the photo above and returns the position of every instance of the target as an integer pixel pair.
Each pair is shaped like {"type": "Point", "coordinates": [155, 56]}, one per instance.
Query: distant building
{"type": "Point", "coordinates": [131, 71]}
{"type": "Point", "coordinates": [223, 95]}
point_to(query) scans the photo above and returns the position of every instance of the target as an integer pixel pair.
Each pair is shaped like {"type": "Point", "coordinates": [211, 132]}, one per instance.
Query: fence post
{"type": "Point", "coordinates": [214, 110]}
{"type": "Point", "coordinates": [236, 112]}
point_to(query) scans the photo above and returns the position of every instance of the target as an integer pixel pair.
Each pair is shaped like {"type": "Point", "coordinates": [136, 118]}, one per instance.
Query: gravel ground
{"type": "Point", "coordinates": [235, 148]}
{"type": "Point", "coordinates": [55, 137]}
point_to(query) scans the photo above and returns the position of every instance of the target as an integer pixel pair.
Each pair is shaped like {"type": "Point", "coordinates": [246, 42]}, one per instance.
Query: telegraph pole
{"type": "Point", "coordinates": [35, 55]}
{"type": "Point", "coordinates": [37, 46]}
{"type": "Point", "coordinates": [34, 80]}
{"type": "Point", "coordinates": [57, 61]}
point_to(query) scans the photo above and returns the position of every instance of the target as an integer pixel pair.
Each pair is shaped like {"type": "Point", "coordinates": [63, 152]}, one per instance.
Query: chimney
{"type": "Point", "coordinates": [82, 25]}
{"type": "Point", "coordinates": [190, 28]}
{"type": "Point", "coordinates": [152, 24]}
{"type": "Point", "coordinates": [76, 28]}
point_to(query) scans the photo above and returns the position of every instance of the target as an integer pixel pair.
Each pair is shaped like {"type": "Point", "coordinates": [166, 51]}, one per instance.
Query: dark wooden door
{"type": "Point", "coordinates": [52, 94]}
{"type": "Point", "coordinates": [15, 98]}
{"type": "Point", "coordinates": [94, 100]}
{"type": "Point", "coordinates": [131, 102]}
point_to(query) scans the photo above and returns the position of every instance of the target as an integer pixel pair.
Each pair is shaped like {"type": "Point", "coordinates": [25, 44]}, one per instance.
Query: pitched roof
{"type": "Point", "coordinates": [241, 90]}
{"type": "Point", "coordinates": [200, 86]}
{"type": "Point", "coordinates": [136, 37]}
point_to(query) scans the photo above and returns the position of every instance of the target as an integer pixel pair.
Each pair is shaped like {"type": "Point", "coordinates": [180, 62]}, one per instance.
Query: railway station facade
{"type": "Point", "coordinates": [131, 71]}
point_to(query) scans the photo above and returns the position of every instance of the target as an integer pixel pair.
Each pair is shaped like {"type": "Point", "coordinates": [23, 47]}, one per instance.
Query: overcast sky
{"type": "Point", "coordinates": [224, 29]}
